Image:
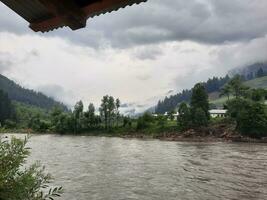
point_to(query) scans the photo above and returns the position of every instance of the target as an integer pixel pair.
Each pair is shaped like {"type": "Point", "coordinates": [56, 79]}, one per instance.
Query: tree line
{"type": "Point", "coordinates": [82, 120]}
{"type": "Point", "coordinates": [247, 108]}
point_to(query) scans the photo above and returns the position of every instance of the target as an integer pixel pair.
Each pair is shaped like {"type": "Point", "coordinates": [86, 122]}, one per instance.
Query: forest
{"type": "Point", "coordinates": [247, 112]}
{"type": "Point", "coordinates": [26, 96]}
{"type": "Point", "coordinates": [212, 85]}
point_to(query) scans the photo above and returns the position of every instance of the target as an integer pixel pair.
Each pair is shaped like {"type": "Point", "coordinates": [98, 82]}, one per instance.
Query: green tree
{"type": "Point", "coordinates": [18, 182]}
{"type": "Point", "coordinates": [6, 108]}
{"type": "Point", "coordinates": [226, 91]}
{"type": "Point", "coordinates": [162, 121]}
{"type": "Point", "coordinates": [91, 118]}
{"type": "Point", "coordinates": [258, 94]}
{"type": "Point", "coordinates": [37, 124]}
{"type": "Point", "coordinates": [117, 104]}
{"type": "Point", "coordinates": [237, 87]}
{"type": "Point", "coordinates": [250, 117]}
{"type": "Point", "coordinates": [252, 120]}
{"type": "Point", "coordinates": [199, 103]}
{"type": "Point", "coordinates": [260, 73]}
{"type": "Point", "coordinates": [200, 118]}
{"type": "Point", "coordinates": [171, 115]}
{"type": "Point", "coordinates": [59, 120]}
{"type": "Point", "coordinates": [127, 122]}
{"type": "Point", "coordinates": [78, 116]}
{"type": "Point", "coordinates": [111, 111]}
{"type": "Point", "coordinates": [184, 118]}
{"type": "Point", "coordinates": [144, 121]}
{"type": "Point", "coordinates": [104, 110]}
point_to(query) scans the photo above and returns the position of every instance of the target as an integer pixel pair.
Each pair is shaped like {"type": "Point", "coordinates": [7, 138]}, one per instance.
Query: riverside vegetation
{"type": "Point", "coordinates": [246, 117]}
{"type": "Point", "coordinates": [18, 182]}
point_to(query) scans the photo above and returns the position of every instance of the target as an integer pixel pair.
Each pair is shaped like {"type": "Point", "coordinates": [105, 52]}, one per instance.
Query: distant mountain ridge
{"type": "Point", "coordinates": [213, 85]}
{"type": "Point", "coordinates": [26, 96]}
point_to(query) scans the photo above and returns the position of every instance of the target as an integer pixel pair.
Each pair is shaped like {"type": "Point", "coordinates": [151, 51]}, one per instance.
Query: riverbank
{"type": "Point", "coordinates": [191, 136]}
{"type": "Point", "coordinates": [218, 132]}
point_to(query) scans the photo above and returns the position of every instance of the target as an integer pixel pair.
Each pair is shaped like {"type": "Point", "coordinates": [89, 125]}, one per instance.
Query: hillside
{"type": "Point", "coordinates": [255, 83]}
{"type": "Point", "coordinates": [258, 83]}
{"type": "Point", "coordinates": [26, 96]}
{"type": "Point", "coordinates": [212, 86]}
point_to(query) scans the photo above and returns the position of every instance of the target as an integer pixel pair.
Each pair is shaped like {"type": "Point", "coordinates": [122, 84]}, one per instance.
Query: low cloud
{"type": "Point", "coordinates": [157, 21]}
{"type": "Point", "coordinates": [55, 91]}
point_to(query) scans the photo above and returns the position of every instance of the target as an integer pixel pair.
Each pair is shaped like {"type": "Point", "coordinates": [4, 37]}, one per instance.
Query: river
{"type": "Point", "coordinates": [100, 168]}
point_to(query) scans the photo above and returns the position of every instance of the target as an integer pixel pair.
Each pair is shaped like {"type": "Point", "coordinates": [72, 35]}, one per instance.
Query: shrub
{"type": "Point", "coordinates": [252, 120]}
{"type": "Point", "coordinates": [200, 118]}
{"type": "Point", "coordinates": [144, 121]}
{"type": "Point", "coordinates": [250, 117]}
{"type": "Point", "coordinates": [162, 121]}
{"type": "Point", "coordinates": [19, 183]}
{"type": "Point", "coordinates": [184, 118]}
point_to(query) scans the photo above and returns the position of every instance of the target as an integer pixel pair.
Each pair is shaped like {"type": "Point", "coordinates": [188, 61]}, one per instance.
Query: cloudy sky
{"type": "Point", "coordinates": [140, 53]}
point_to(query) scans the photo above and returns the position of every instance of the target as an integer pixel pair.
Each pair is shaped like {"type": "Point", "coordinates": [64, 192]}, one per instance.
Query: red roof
{"type": "Point", "coordinates": [46, 15]}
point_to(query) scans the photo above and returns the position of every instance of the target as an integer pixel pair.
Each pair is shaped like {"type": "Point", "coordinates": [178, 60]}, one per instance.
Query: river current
{"type": "Point", "coordinates": [101, 168]}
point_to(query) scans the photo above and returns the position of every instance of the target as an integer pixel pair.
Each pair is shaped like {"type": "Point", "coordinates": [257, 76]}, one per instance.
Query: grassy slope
{"type": "Point", "coordinates": [258, 83]}
{"type": "Point", "coordinates": [255, 83]}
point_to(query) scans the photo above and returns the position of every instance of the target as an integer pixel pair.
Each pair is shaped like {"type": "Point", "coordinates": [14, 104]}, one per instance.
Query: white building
{"type": "Point", "coordinates": [218, 113]}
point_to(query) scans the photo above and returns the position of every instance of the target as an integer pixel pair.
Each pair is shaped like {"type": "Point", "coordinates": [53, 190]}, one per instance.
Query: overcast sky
{"type": "Point", "coordinates": [140, 53]}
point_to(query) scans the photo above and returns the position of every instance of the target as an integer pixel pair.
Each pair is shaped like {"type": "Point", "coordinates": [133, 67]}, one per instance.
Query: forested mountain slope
{"type": "Point", "coordinates": [170, 103]}
{"type": "Point", "coordinates": [26, 96]}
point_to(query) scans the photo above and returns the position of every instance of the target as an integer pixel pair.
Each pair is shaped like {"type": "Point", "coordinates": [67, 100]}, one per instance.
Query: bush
{"type": "Point", "coordinates": [184, 119]}
{"type": "Point", "coordinates": [19, 183]}
{"type": "Point", "coordinates": [144, 121]}
{"type": "Point", "coordinates": [252, 120]}
{"type": "Point", "coordinates": [200, 118]}
{"type": "Point", "coordinates": [9, 124]}
{"type": "Point", "coordinates": [250, 117]}
{"type": "Point", "coordinates": [162, 121]}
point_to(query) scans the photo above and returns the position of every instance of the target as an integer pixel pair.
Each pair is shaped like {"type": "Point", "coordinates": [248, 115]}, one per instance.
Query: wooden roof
{"type": "Point", "coordinates": [46, 15]}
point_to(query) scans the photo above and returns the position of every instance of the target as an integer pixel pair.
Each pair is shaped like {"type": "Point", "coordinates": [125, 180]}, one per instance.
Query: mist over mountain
{"type": "Point", "coordinates": [250, 71]}
{"type": "Point", "coordinates": [26, 96]}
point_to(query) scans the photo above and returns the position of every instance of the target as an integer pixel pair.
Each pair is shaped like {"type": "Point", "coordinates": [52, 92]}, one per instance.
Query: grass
{"type": "Point", "coordinates": [257, 83]}
{"type": "Point", "coordinates": [220, 101]}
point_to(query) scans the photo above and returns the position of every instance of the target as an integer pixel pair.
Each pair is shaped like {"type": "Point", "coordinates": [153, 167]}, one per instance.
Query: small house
{"type": "Point", "coordinates": [218, 113]}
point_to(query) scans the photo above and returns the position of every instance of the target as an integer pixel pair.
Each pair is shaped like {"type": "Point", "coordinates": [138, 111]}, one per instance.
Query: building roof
{"type": "Point", "coordinates": [47, 15]}
{"type": "Point", "coordinates": [218, 111]}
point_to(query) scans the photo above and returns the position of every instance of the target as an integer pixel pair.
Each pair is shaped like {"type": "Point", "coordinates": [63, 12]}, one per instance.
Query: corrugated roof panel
{"type": "Point", "coordinates": [116, 7]}
{"type": "Point", "coordinates": [31, 10]}
{"type": "Point", "coordinates": [42, 19]}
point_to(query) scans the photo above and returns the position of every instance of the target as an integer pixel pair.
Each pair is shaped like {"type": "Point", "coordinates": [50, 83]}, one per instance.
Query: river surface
{"type": "Point", "coordinates": [100, 168]}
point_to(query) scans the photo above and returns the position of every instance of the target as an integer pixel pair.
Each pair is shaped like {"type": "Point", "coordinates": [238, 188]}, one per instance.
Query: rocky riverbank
{"type": "Point", "coordinates": [213, 133]}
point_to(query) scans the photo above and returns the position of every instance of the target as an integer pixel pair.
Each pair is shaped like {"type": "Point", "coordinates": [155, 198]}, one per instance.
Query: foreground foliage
{"type": "Point", "coordinates": [18, 182]}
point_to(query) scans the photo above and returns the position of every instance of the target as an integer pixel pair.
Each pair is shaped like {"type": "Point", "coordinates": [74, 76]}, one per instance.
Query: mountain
{"type": "Point", "coordinates": [171, 103]}
{"type": "Point", "coordinates": [26, 96]}
{"type": "Point", "coordinates": [257, 83]}
{"type": "Point", "coordinates": [255, 76]}
{"type": "Point", "coordinates": [250, 72]}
